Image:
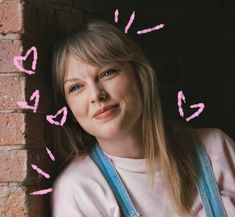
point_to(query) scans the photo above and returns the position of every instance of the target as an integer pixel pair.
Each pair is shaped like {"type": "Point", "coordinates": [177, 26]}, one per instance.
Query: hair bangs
{"type": "Point", "coordinates": [99, 48]}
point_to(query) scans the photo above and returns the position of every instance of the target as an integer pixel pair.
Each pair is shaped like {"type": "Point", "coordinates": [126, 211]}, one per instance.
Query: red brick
{"type": "Point", "coordinates": [9, 49]}
{"type": "Point", "coordinates": [12, 90]}
{"type": "Point", "coordinates": [10, 17]}
{"type": "Point", "coordinates": [20, 128]}
{"type": "Point", "coordinates": [13, 165]}
{"type": "Point", "coordinates": [13, 201]}
{"type": "Point", "coordinates": [12, 128]}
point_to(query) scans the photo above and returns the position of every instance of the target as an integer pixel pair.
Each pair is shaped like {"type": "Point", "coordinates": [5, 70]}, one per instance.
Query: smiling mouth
{"type": "Point", "coordinates": [107, 113]}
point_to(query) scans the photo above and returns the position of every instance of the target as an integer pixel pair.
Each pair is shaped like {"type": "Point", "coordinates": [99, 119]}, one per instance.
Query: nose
{"type": "Point", "coordinates": [97, 93]}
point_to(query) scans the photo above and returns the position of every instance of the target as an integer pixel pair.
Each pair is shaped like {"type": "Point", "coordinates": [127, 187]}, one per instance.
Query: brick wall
{"type": "Point", "coordinates": [23, 135]}
{"type": "Point", "coordinates": [194, 52]}
{"type": "Point", "coordinates": [13, 157]}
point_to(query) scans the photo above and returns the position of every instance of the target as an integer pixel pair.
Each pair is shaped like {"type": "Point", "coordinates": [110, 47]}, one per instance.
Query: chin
{"type": "Point", "coordinates": [108, 131]}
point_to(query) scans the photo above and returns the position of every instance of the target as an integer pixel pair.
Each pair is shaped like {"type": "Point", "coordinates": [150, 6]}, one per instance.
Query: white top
{"type": "Point", "coordinates": [82, 191]}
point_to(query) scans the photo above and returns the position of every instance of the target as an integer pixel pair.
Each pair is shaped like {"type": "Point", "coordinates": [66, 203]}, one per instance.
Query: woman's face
{"type": "Point", "coordinates": [112, 90]}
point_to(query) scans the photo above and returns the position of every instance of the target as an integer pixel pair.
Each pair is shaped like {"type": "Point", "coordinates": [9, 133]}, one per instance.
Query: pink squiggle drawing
{"type": "Point", "coordinates": [160, 26]}
{"type": "Point", "coordinates": [46, 175]}
{"type": "Point", "coordinates": [18, 59]}
{"type": "Point", "coordinates": [51, 117]}
{"type": "Point", "coordinates": [201, 107]}
{"type": "Point", "coordinates": [180, 98]}
{"type": "Point", "coordinates": [130, 22]}
{"type": "Point", "coordinates": [42, 192]}
{"type": "Point", "coordinates": [50, 154]}
{"type": "Point", "coordinates": [116, 14]}
{"type": "Point", "coordinates": [24, 104]}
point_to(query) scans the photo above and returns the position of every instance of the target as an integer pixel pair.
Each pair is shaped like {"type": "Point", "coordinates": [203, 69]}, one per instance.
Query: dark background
{"type": "Point", "coordinates": [194, 52]}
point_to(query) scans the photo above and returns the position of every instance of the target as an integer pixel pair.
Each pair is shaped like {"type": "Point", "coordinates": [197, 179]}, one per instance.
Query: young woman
{"type": "Point", "coordinates": [122, 160]}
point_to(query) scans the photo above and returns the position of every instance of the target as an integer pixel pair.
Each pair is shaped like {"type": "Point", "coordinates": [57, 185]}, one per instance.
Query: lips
{"type": "Point", "coordinates": [101, 112]}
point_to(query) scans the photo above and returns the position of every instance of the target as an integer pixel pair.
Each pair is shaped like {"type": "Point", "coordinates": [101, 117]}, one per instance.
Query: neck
{"type": "Point", "coordinates": [127, 145]}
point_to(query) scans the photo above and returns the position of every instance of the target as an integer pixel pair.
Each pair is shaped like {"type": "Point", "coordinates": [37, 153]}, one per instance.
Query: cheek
{"type": "Point", "coordinates": [78, 107]}
{"type": "Point", "coordinates": [130, 92]}
{"type": "Point", "coordinates": [120, 88]}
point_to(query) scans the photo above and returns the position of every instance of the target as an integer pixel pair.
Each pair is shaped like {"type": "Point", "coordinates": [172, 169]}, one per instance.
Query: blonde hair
{"type": "Point", "coordinates": [99, 43]}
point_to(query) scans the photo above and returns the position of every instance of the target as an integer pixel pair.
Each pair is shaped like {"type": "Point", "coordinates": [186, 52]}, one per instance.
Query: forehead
{"type": "Point", "coordinates": [75, 64]}
{"type": "Point", "coordinates": [76, 67]}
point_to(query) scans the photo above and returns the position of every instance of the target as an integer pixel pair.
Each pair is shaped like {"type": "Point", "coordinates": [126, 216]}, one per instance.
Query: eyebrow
{"type": "Point", "coordinates": [69, 80]}
{"type": "Point", "coordinates": [101, 68]}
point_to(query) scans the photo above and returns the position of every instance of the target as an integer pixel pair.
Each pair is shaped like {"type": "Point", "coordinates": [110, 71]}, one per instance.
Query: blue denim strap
{"type": "Point", "coordinates": [108, 170]}
{"type": "Point", "coordinates": [207, 185]}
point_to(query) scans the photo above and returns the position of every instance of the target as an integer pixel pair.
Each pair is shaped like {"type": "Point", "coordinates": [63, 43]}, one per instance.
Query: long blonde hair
{"type": "Point", "coordinates": [99, 43]}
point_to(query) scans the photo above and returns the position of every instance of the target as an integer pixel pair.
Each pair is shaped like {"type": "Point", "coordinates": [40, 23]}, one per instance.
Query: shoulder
{"type": "Point", "coordinates": [79, 190]}
{"type": "Point", "coordinates": [221, 151]}
{"type": "Point", "coordinates": [77, 173]}
{"type": "Point", "coordinates": [215, 140]}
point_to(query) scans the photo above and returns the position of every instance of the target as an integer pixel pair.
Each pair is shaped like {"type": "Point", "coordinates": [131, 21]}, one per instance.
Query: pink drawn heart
{"type": "Point", "coordinates": [50, 118]}
{"type": "Point", "coordinates": [200, 107]}
{"type": "Point", "coordinates": [25, 105]}
{"type": "Point", "coordinates": [18, 59]}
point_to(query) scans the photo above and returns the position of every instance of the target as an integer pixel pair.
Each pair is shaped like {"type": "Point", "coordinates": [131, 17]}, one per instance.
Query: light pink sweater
{"type": "Point", "coordinates": [81, 189]}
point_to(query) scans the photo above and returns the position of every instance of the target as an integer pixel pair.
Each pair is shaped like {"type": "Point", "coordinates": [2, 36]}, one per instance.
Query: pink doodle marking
{"type": "Point", "coordinates": [46, 175]}
{"type": "Point", "coordinates": [42, 192]}
{"type": "Point", "coordinates": [180, 98]}
{"type": "Point", "coordinates": [25, 105]}
{"type": "Point", "coordinates": [18, 59]}
{"type": "Point", "coordinates": [50, 154]}
{"type": "Point", "coordinates": [160, 26]}
{"type": "Point", "coordinates": [116, 14]}
{"type": "Point", "coordinates": [130, 22]}
{"type": "Point", "coordinates": [201, 107]}
{"type": "Point", "coordinates": [51, 117]}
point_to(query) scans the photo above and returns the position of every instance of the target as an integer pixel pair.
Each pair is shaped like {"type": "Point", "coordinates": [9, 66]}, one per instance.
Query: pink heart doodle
{"type": "Point", "coordinates": [25, 105]}
{"type": "Point", "coordinates": [18, 59]}
{"type": "Point", "coordinates": [51, 117]}
{"type": "Point", "coordinates": [181, 97]}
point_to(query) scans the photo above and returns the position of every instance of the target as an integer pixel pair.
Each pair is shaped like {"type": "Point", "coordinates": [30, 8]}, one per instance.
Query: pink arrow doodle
{"type": "Point", "coordinates": [25, 105]}
{"type": "Point", "coordinates": [200, 107]}
{"type": "Point", "coordinates": [130, 22]}
{"type": "Point", "coordinates": [116, 14]}
{"type": "Point", "coordinates": [42, 192]}
{"type": "Point", "coordinates": [46, 175]}
{"type": "Point", "coordinates": [160, 26]}
{"type": "Point", "coordinates": [144, 31]}
{"type": "Point", "coordinates": [40, 171]}
{"type": "Point", "coordinates": [50, 118]}
{"type": "Point", "coordinates": [18, 59]}
{"type": "Point", "coordinates": [50, 154]}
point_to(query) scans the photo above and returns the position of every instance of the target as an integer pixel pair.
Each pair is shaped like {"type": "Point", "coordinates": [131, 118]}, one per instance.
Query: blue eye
{"type": "Point", "coordinates": [74, 87]}
{"type": "Point", "coordinates": [108, 73]}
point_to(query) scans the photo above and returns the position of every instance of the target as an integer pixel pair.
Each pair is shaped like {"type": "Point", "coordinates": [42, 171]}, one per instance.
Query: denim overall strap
{"type": "Point", "coordinates": [207, 185]}
{"type": "Point", "coordinates": [108, 170]}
